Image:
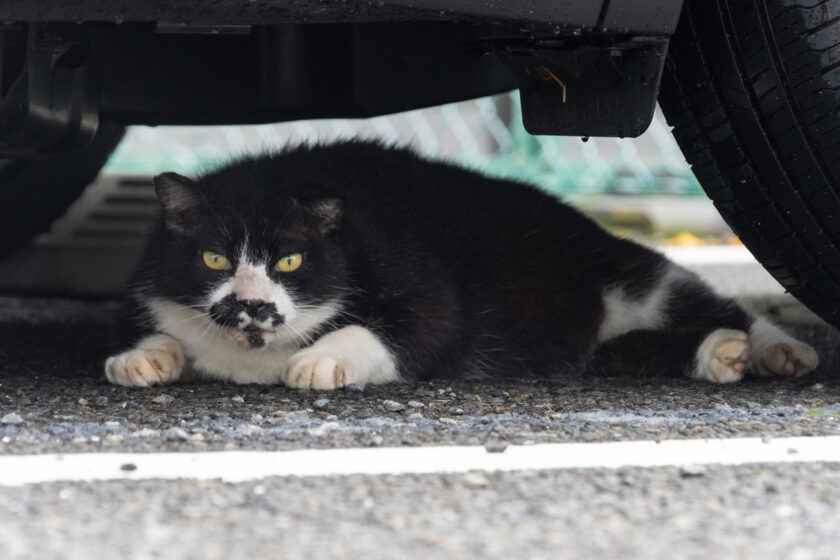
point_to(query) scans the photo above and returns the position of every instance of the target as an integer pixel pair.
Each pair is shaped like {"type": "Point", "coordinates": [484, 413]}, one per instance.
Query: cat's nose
{"type": "Point", "coordinates": [256, 308]}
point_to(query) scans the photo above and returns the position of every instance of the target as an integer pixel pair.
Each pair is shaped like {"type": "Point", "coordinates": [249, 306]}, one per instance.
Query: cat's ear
{"type": "Point", "coordinates": [322, 215]}
{"type": "Point", "coordinates": [181, 201]}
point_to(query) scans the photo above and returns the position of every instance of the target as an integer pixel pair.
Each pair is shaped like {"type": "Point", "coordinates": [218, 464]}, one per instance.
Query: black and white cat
{"type": "Point", "coordinates": [355, 263]}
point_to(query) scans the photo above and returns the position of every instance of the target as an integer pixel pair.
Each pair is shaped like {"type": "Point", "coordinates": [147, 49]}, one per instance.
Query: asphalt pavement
{"type": "Point", "coordinates": [53, 399]}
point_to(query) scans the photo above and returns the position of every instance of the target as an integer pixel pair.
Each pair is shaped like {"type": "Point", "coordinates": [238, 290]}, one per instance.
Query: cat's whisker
{"type": "Point", "coordinates": [298, 333]}
{"type": "Point", "coordinates": [209, 327]}
{"type": "Point", "coordinates": [200, 306]}
{"type": "Point", "coordinates": [185, 320]}
{"type": "Point", "coordinates": [302, 335]}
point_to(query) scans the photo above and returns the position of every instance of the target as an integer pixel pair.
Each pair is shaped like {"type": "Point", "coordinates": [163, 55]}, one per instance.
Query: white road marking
{"type": "Point", "coordinates": [239, 466]}
{"type": "Point", "coordinates": [708, 255]}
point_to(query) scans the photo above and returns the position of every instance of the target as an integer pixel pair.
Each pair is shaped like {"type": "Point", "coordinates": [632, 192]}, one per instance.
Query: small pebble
{"type": "Point", "coordinates": [145, 432]}
{"type": "Point", "coordinates": [11, 418]}
{"type": "Point", "coordinates": [128, 467]}
{"type": "Point", "coordinates": [237, 399]}
{"type": "Point", "coordinates": [323, 429]}
{"type": "Point", "coordinates": [475, 480]}
{"type": "Point", "coordinates": [377, 440]}
{"type": "Point", "coordinates": [83, 401]}
{"type": "Point", "coordinates": [355, 387]}
{"type": "Point", "coordinates": [290, 414]}
{"type": "Point", "coordinates": [458, 411]}
{"type": "Point", "coordinates": [495, 446]}
{"type": "Point", "coordinates": [163, 400]}
{"type": "Point", "coordinates": [692, 471]}
{"type": "Point", "coordinates": [176, 433]}
{"type": "Point", "coordinates": [415, 404]}
{"type": "Point", "coordinates": [392, 406]}
{"type": "Point", "coordinates": [100, 401]}
{"type": "Point", "coordinates": [321, 404]}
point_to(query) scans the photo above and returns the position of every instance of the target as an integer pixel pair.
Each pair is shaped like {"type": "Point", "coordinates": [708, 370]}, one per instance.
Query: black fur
{"type": "Point", "coordinates": [460, 274]}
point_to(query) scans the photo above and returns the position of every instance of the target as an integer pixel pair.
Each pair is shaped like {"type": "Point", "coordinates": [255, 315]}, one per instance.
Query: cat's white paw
{"type": "Point", "coordinates": [352, 354]}
{"type": "Point", "coordinates": [778, 353]}
{"type": "Point", "coordinates": [723, 356]}
{"type": "Point", "coordinates": [156, 360]}
{"type": "Point", "coordinates": [314, 370]}
{"type": "Point", "coordinates": [786, 358]}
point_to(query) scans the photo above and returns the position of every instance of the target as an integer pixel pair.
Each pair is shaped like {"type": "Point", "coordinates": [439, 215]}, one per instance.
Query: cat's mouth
{"type": "Point", "coordinates": [249, 337]}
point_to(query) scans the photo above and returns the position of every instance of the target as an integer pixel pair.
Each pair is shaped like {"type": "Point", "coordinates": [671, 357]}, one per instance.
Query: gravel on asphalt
{"type": "Point", "coordinates": [53, 398]}
{"type": "Point", "coordinates": [745, 512]}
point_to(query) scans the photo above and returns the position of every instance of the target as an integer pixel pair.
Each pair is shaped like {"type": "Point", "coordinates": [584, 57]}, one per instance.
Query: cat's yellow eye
{"type": "Point", "coordinates": [215, 260]}
{"type": "Point", "coordinates": [290, 262]}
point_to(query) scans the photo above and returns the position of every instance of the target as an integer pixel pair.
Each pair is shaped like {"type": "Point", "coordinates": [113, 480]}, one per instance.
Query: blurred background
{"type": "Point", "coordinates": [487, 134]}
{"type": "Point", "coordinates": [641, 188]}
{"type": "Point", "coordinates": [484, 133]}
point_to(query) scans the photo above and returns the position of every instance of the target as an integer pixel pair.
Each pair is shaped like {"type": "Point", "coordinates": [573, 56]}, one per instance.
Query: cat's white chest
{"type": "Point", "coordinates": [230, 362]}
{"type": "Point", "coordinates": [213, 354]}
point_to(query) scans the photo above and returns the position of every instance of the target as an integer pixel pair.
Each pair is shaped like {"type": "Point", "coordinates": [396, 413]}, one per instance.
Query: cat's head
{"type": "Point", "coordinates": [259, 265]}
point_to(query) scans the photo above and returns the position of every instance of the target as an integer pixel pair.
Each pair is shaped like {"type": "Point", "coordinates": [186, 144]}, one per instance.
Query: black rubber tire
{"type": "Point", "coordinates": [33, 193]}
{"type": "Point", "coordinates": [752, 89]}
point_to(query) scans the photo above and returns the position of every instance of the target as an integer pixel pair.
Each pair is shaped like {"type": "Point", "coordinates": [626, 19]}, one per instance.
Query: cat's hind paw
{"type": "Point", "coordinates": [784, 358]}
{"type": "Point", "coordinates": [156, 360]}
{"type": "Point", "coordinates": [723, 356]}
{"type": "Point", "coordinates": [778, 353]}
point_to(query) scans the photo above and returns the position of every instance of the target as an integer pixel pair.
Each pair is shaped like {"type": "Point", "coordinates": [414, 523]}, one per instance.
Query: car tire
{"type": "Point", "coordinates": [33, 193]}
{"type": "Point", "coordinates": [752, 90]}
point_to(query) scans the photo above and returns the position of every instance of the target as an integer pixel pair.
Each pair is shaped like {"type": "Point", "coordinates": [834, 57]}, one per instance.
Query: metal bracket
{"type": "Point", "coordinates": [49, 102]}
{"type": "Point", "coordinates": [589, 88]}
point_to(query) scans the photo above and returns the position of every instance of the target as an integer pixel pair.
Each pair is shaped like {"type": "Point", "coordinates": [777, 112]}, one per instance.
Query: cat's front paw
{"type": "Point", "coordinates": [156, 360]}
{"type": "Point", "coordinates": [311, 369]}
{"type": "Point", "coordinates": [352, 354]}
{"type": "Point", "coordinates": [723, 356]}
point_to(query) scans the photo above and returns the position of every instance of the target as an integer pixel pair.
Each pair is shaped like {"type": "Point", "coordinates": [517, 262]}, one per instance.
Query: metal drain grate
{"type": "Point", "coordinates": [94, 247]}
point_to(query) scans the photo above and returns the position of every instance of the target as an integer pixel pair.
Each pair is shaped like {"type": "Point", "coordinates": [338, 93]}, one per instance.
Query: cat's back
{"type": "Point", "coordinates": [394, 194]}
{"type": "Point", "coordinates": [369, 173]}
{"type": "Point", "coordinates": [435, 196]}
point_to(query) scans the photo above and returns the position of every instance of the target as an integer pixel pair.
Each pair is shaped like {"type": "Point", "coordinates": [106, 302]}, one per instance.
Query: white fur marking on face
{"type": "Point", "coordinates": [155, 360]}
{"type": "Point", "coordinates": [623, 314]}
{"type": "Point", "coordinates": [251, 281]}
{"type": "Point", "coordinates": [723, 356]}
{"type": "Point", "coordinates": [778, 353]}
{"type": "Point", "coordinates": [214, 353]}
{"type": "Point", "coordinates": [352, 354]}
